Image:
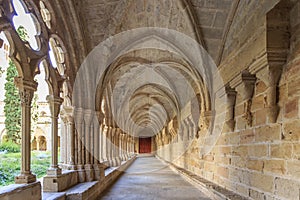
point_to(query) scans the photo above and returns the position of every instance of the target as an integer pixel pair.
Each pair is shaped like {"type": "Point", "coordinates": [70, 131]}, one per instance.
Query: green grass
{"type": "Point", "coordinates": [10, 164]}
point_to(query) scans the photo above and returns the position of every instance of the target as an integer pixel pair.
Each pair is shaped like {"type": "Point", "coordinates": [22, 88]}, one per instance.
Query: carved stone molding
{"type": "Point", "coordinates": [231, 99]}
{"type": "Point", "coordinates": [246, 90]}
{"type": "Point", "coordinates": [26, 97]}
{"type": "Point", "coordinates": [26, 90]}
{"type": "Point", "coordinates": [54, 103]}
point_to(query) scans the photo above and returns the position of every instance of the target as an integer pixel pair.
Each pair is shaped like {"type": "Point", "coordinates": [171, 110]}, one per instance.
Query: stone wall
{"type": "Point", "coordinates": [259, 160]}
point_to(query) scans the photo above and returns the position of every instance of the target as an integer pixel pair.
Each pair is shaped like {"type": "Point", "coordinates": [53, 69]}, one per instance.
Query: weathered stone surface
{"type": "Point", "coordinates": [283, 151]}
{"type": "Point", "coordinates": [268, 133]}
{"type": "Point", "coordinates": [275, 166]}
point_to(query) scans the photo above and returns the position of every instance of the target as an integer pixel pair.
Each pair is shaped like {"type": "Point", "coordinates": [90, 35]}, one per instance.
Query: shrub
{"type": "Point", "coordinates": [10, 147]}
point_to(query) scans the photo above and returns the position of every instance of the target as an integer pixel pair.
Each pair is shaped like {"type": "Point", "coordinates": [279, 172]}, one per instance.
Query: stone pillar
{"type": "Point", "coordinates": [78, 116]}
{"type": "Point", "coordinates": [246, 90]}
{"type": "Point", "coordinates": [122, 148]}
{"type": "Point", "coordinates": [113, 135]}
{"type": "Point", "coordinates": [88, 117]}
{"type": "Point", "coordinates": [271, 76]}
{"type": "Point", "coordinates": [230, 104]}
{"type": "Point", "coordinates": [125, 146]}
{"type": "Point", "coordinates": [71, 138]}
{"type": "Point", "coordinates": [185, 130]}
{"type": "Point", "coordinates": [103, 155]}
{"type": "Point", "coordinates": [96, 140]}
{"type": "Point", "coordinates": [118, 146]}
{"type": "Point", "coordinates": [109, 145]}
{"type": "Point", "coordinates": [131, 145]}
{"type": "Point", "coordinates": [98, 168]}
{"type": "Point", "coordinates": [26, 90]}
{"type": "Point", "coordinates": [63, 152]}
{"type": "Point", "coordinates": [191, 128]}
{"type": "Point", "coordinates": [54, 103]}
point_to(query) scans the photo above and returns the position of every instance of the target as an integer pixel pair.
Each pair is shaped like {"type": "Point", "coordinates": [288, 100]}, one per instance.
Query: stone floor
{"type": "Point", "coordinates": [148, 178]}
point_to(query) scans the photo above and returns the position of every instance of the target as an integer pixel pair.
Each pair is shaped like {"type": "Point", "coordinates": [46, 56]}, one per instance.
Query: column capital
{"type": "Point", "coordinates": [78, 115]}
{"type": "Point", "coordinates": [23, 84]}
{"type": "Point", "coordinates": [54, 103]}
{"type": "Point", "coordinates": [246, 89]}
{"type": "Point", "coordinates": [231, 95]}
{"type": "Point", "coordinates": [88, 116]}
{"type": "Point", "coordinates": [26, 90]}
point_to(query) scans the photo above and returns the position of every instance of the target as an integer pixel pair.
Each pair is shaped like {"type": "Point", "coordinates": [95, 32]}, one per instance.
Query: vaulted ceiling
{"type": "Point", "coordinates": [210, 19]}
{"type": "Point", "coordinates": [130, 96]}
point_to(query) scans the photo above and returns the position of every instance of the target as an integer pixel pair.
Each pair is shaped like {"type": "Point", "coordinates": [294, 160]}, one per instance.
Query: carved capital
{"type": "Point", "coordinates": [26, 90]}
{"type": "Point", "coordinates": [78, 115]}
{"type": "Point", "coordinates": [26, 97]}
{"type": "Point", "coordinates": [231, 96]}
{"type": "Point", "coordinates": [67, 114]}
{"type": "Point", "coordinates": [54, 103]}
{"type": "Point", "coordinates": [88, 116]}
{"type": "Point", "coordinates": [247, 85]}
{"type": "Point", "coordinates": [270, 75]}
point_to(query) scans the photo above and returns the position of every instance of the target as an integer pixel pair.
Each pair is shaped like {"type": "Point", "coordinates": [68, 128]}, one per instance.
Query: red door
{"type": "Point", "coordinates": [145, 145]}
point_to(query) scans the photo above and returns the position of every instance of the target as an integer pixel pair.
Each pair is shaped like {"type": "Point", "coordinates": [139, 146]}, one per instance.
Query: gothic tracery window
{"type": "Point", "coordinates": [29, 22]}
{"type": "Point", "coordinates": [57, 56]}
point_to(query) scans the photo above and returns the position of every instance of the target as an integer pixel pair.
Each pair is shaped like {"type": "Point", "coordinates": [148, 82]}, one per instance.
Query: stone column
{"type": "Point", "coordinates": [78, 116]}
{"type": "Point", "coordinates": [88, 117]}
{"type": "Point", "coordinates": [96, 140]}
{"type": "Point", "coordinates": [102, 148]}
{"type": "Point", "coordinates": [54, 103]}
{"type": "Point", "coordinates": [71, 139]}
{"type": "Point", "coordinates": [63, 151]}
{"type": "Point", "coordinates": [122, 148]}
{"type": "Point", "coordinates": [26, 90]}
{"type": "Point", "coordinates": [131, 145]}
{"type": "Point", "coordinates": [125, 146]}
{"type": "Point", "coordinates": [109, 145]}
{"type": "Point", "coordinates": [113, 148]}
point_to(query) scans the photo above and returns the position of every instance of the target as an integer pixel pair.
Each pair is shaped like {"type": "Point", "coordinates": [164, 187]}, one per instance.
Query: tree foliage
{"type": "Point", "coordinates": [34, 113]}
{"type": "Point", "coordinates": [12, 107]}
{"type": "Point", "coordinates": [1, 71]}
{"type": "Point", "coordinates": [12, 101]}
{"type": "Point", "coordinates": [22, 32]}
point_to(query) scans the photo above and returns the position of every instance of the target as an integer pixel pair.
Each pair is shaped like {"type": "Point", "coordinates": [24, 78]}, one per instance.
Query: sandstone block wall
{"type": "Point", "coordinates": [260, 160]}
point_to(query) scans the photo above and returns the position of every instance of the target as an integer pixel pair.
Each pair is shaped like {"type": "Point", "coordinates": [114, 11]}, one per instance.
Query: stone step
{"type": "Point", "coordinates": [54, 196]}
{"type": "Point", "coordinates": [87, 190]}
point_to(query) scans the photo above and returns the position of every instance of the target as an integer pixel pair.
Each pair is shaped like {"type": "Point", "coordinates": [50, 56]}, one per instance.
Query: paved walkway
{"type": "Point", "coordinates": [148, 178]}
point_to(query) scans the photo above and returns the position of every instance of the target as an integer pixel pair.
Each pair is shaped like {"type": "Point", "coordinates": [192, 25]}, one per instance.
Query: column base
{"type": "Point", "coordinates": [25, 178]}
{"type": "Point", "coordinates": [89, 172]}
{"type": "Point", "coordinates": [69, 167]}
{"type": "Point", "coordinates": [115, 162]}
{"type": "Point", "coordinates": [99, 171]}
{"type": "Point", "coordinates": [60, 182]}
{"type": "Point", "coordinates": [54, 171]}
{"type": "Point", "coordinates": [81, 173]}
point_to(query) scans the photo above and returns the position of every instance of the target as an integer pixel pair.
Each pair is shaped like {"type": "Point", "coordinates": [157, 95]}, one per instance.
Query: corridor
{"type": "Point", "coordinates": [148, 178]}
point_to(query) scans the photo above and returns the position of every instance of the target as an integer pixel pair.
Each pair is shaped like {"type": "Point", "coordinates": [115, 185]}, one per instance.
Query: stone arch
{"type": "Point", "coordinates": [2, 135]}
{"type": "Point", "coordinates": [42, 143]}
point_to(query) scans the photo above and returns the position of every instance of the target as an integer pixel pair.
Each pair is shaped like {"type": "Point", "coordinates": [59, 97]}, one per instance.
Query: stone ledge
{"type": "Point", "coordinates": [21, 191]}
{"type": "Point", "coordinates": [54, 196]}
{"type": "Point", "coordinates": [207, 187]}
{"type": "Point", "coordinates": [90, 190]}
{"type": "Point", "coordinates": [60, 183]}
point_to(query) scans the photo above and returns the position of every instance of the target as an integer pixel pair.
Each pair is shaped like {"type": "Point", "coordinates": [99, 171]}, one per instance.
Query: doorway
{"type": "Point", "coordinates": [144, 145]}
